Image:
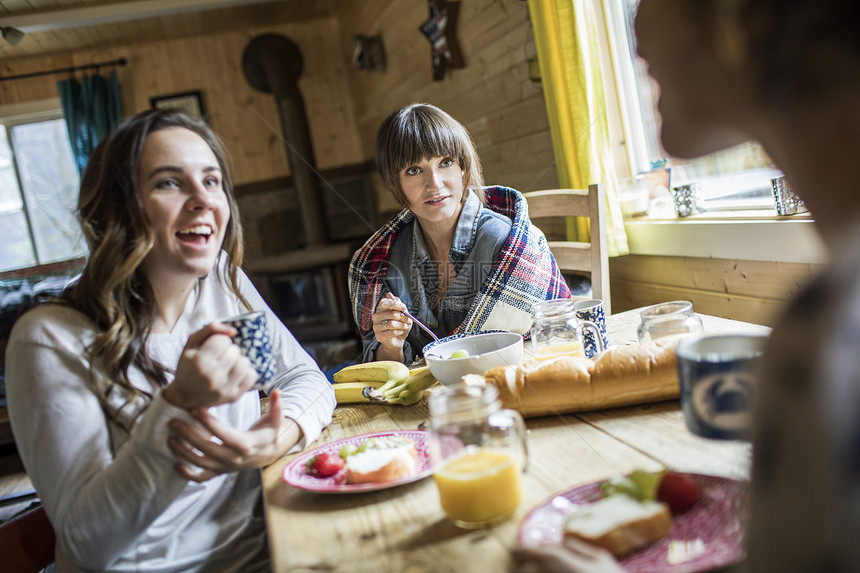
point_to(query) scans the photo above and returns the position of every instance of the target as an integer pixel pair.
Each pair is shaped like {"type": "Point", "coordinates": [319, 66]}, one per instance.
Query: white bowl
{"type": "Point", "coordinates": [486, 350]}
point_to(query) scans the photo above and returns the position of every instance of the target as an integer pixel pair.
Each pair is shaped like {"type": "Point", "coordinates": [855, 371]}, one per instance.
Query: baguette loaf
{"type": "Point", "coordinates": [619, 523]}
{"type": "Point", "coordinates": [636, 374]}
{"type": "Point", "coordinates": [540, 387]}
{"type": "Point", "coordinates": [622, 376]}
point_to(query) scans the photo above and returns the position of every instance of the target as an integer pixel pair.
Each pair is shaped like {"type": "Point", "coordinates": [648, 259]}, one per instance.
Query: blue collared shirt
{"type": "Point", "coordinates": [412, 276]}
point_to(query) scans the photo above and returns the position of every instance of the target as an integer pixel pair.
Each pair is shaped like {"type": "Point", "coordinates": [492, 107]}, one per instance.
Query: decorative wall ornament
{"type": "Point", "coordinates": [441, 30]}
{"type": "Point", "coordinates": [368, 53]}
{"type": "Point", "coordinates": [186, 101]}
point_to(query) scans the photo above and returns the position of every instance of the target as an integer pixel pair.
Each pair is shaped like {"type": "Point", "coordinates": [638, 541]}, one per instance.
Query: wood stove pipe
{"type": "Point", "coordinates": [272, 64]}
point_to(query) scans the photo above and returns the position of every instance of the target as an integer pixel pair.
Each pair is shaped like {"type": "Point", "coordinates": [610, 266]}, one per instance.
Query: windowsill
{"type": "Point", "coordinates": [745, 235]}
{"type": "Point", "coordinates": [46, 269]}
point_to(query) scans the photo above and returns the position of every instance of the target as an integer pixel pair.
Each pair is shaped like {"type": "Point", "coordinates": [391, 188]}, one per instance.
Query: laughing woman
{"type": "Point", "coordinates": [134, 413]}
{"type": "Point", "coordinates": [460, 257]}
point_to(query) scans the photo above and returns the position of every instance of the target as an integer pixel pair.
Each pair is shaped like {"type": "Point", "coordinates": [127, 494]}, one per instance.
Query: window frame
{"type": "Point", "coordinates": [736, 234]}
{"type": "Point", "coordinates": [626, 87]}
{"type": "Point", "coordinates": [642, 140]}
{"type": "Point", "coordinates": [12, 115]}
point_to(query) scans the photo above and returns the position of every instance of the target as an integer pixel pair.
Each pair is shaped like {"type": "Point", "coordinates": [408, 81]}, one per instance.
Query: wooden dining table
{"type": "Point", "coordinates": [403, 528]}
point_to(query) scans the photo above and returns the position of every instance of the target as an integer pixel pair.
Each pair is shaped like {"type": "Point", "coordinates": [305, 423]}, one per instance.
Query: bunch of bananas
{"type": "Point", "coordinates": [384, 381]}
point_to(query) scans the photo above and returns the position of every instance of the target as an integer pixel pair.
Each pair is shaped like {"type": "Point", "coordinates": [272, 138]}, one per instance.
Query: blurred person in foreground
{"type": "Point", "coordinates": [135, 415]}
{"type": "Point", "coordinates": [460, 257]}
{"type": "Point", "coordinates": [787, 74]}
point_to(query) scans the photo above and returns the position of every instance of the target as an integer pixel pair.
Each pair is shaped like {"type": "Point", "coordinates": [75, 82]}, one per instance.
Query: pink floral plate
{"type": "Point", "coordinates": [296, 474]}
{"type": "Point", "coordinates": [709, 535]}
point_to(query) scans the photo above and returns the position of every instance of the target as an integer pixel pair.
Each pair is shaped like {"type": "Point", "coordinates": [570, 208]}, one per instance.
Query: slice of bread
{"type": "Point", "coordinates": [385, 459]}
{"type": "Point", "coordinates": [619, 523]}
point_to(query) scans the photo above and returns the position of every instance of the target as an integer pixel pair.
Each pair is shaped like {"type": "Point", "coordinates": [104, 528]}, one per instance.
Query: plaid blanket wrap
{"type": "Point", "coordinates": [525, 271]}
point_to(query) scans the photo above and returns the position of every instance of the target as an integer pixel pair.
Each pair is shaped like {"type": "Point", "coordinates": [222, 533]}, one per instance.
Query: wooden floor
{"type": "Point", "coordinates": [13, 480]}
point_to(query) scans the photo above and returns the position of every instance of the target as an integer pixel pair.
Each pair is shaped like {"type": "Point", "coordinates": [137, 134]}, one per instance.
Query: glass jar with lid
{"type": "Point", "coordinates": [557, 330]}
{"type": "Point", "coordinates": [668, 319]}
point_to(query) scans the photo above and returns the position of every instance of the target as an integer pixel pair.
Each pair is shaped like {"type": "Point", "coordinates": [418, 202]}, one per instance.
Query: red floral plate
{"type": "Point", "coordinates": [297, 475]}
{"type": "Point", "coordinates": [709, 535]}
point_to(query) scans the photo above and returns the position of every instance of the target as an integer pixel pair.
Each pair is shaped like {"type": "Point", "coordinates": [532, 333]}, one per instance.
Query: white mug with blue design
{"type": "Point", "coordinates": [592, 310]}
{"type": "Point", "coordinates": [252, 337]}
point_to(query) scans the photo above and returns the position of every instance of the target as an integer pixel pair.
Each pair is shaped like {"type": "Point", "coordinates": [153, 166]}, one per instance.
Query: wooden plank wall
{"type": "Point", "coordinates": [753, 291]}
{"type": "Point", "coordinates": [246, 119]}
{"type": "Point", "coordinates": [492, 96]}
{"type": "Point", "coordinates": [506, 115]}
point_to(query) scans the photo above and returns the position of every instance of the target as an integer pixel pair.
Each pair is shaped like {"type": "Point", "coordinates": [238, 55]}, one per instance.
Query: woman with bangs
{"type": "Point", "coordinates": [136, 417]}
{"type": "Point", "coordinates": [460, 257]}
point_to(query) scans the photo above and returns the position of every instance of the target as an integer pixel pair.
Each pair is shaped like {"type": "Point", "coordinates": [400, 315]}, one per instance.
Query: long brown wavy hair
{"type": "Point", "coordinates": [112, 290]}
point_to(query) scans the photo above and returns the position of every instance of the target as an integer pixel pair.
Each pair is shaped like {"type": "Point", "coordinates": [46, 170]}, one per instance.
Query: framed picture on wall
{"type": "Point", "coordinates": [188, 101]}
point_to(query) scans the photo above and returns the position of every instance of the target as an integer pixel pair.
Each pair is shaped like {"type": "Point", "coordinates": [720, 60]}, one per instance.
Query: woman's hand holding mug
{"type": "Point", "coordinates": [211, 371]}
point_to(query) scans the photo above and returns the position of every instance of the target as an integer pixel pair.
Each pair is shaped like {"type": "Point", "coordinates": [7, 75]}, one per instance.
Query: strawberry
{"type": "Point", "coordinates": [678, 492]}
{"type": "Point", "coordinates": [324, 464]}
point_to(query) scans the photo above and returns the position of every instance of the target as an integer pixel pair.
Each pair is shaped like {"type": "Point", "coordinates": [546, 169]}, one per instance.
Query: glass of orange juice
{"type": "Point", "coordinates": [557, 330]}
{"type": "Point", "coordinates": [479, 453]}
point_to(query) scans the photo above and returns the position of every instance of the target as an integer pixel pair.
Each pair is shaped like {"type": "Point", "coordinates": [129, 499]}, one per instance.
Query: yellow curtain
{"type": "Point", "coordinates": [572, 78]}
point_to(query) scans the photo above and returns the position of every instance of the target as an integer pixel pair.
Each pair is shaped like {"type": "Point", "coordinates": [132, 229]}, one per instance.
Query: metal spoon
{"type": "Point", "coordinates": [421, 325]}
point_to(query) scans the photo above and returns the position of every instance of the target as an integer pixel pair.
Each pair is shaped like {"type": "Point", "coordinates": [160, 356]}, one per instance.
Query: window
{"type": "Point", "coordinates": [38, 188]}
{"type": "Point", "coordinates": [733, 179]}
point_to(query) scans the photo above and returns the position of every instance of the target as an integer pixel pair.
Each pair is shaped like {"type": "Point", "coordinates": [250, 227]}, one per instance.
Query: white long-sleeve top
{"type": "Point", "coordinates": [114, 497]}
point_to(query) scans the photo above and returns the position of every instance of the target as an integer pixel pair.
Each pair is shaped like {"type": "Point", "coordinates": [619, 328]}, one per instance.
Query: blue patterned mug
{"type": "Point", "coordinates": [253, 340]}
{"type": "Point", "coordinates": [592, 310]}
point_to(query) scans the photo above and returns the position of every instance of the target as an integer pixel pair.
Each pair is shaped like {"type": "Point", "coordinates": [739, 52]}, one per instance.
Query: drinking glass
{"type": "Point", "coordinates": [557, 330]}
{"type": "Point", "coordinates": [785, 200]}
{"type": "Point", "coordinates": [668, 319]}
{"type": "Point", "coordinates": [478, 452]}
{"type": "Point", "coordinates": [686, 199]}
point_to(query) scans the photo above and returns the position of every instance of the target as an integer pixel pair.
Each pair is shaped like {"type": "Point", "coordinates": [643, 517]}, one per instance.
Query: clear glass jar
{"type": "Point", "coordinates": [668, 319]}
{"type": "Point", "coordinates": [478, 451]}
{"type": "Point", "coordinates": [557, 330]}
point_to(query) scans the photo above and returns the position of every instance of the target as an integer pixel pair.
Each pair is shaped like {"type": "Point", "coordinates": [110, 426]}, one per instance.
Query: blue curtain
{"type": "Point", "coordinates": [92, 108]}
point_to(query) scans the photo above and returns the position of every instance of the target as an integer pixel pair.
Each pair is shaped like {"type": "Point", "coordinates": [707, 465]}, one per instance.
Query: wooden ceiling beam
{"type": "Point", "coordinates": [117, 12]}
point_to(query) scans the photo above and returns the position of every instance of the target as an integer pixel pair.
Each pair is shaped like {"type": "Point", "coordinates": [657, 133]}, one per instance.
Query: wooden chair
{"type": "Point", "coordinates": [27, 543]}
{"type": "Point", "coordinates": [592, 257]}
